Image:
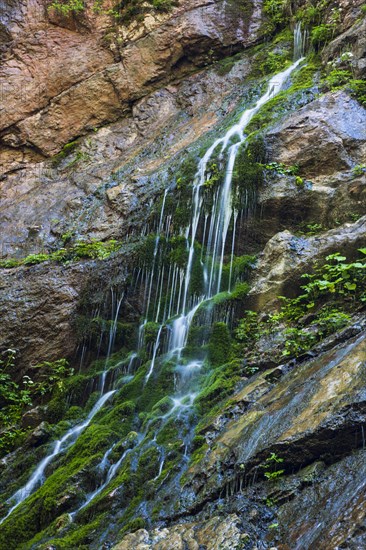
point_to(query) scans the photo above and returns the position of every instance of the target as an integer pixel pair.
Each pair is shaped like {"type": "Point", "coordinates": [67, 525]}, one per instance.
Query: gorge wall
{"type": "Point", "coordinates": [104, 119]}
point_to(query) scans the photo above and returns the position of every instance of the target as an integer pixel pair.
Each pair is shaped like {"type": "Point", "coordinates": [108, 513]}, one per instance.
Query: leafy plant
{"type": "Point", "coordinates": [337, 78]}
{"type": "Point", "coordinates": [14, 398]}
{"type": "Point", "coordinates": [271, 467]}
{"type": "Point", "coordinates": [359, 170]}
{"type": "Point", "coordinates": [297, 341]}
{"type": "Point", "coordinates": [331, 291]}
{"type": "Point", "coordinates": [65, 7]}
{"type": "Point", "coordinates": [321, 35]}
{"type": "Point", "coordinates": [275, 13]}
{"type": "Point", "coordinates": [52, 376]}
{"type": "Point", "coordinates": [358, 90]}
{"type": "Point", "coordinates": [248, 329]}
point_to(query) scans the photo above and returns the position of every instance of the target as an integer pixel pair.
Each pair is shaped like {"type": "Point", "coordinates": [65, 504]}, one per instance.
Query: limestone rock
{"type": "Point", "coordinates": [33, 418]}
{"type": "Point", "coordinates": [335, 122]}
{"type": "Point", "coordinates": [313, 413]}
{"type": "Point", "coordinates": [39, 436]}
{"type": "Point", "coordinates": [286, 257]}
{"type": "Point", "coordinates": [109, 173]}
{"type": "Point", "coordinates": [218, 532]}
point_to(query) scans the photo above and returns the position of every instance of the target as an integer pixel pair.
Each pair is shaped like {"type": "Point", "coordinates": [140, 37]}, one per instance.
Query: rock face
{"type": "Point", "coordinates": [336, 123]}
{"type": "Point", "coordinates": [49, 100]}
{"type": "Point", "coordinates": [314, 411]}
{"type": "Point", "coordinates": [38, 307]}
{"type": "Point", "coordinates": [99, 118]}
{"type": "Point", "coordinates": [331, 193]}
{"type": "Point", "coordinates": [224, 533]}
{"type": "Point", "coordinates": [108, 177]}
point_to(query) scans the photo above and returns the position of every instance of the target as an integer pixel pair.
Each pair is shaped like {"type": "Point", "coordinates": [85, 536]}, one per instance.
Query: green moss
{"type": "Point", "coordinates": [219, 349]}
{"type": "Point", "coordinates": [56, 409]}
{"type": "Point", "coordinates": [218, 385]}
{"type": "Point", "coordinates": [358, 90]}
{"type": "Point", "coordinates": [80, 536]}
{"type": "Point", "coordinates": [296, 96]}
{"type": "Point", "coordinates": [248, 172]}
{"type": "Point", "coordinates": [337, 78]}
{"type": "Point", "coordinates": [168, 434]}
{"type": "Point", "coordinates": [80, 250]}
{"type": "Point", "coordinates": [133, 525]}
{"type": "Point", "coordinates": [148, 464]}
{"type": "Point", "coordinates": [274, 62]}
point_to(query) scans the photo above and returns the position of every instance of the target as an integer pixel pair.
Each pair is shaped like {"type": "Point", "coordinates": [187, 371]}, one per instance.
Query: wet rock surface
{"type": "Point", "coordinates": [311, 415]}
{"type": "Point", "coordinates": [224, 533]}
{"type": "Point", "coordinates": [314, 412]}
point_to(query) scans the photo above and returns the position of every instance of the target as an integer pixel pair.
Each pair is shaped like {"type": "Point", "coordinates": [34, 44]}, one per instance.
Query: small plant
{"type": "Point", "coordinates": [281, 168]}
{"type": "Point", "coordinates": [359, 170]}
{"type": "Point", "coordinates": [248, 329]}
{"type": "Point", "coordinates": [297, 341]}
{"type": "Point", "coordinates": [52, 377]}
{"type": "Point", "coordinates": [310, 229]}
{"type": "Point", "coordinates": [14, 398]}
{"type": "Point", "coordinates": [337, 78]}
{"type": "Point", "coordinates": [271, 467]}
{"type": "Point", "coordinates": [321, 35]}
{"type": "Point", "coordinates": [274, 62]}
{"type": "Point", "coordinates": [358, 90]}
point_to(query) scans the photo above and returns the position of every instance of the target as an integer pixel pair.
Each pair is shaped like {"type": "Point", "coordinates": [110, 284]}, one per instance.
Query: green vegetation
{"type": "Point", "coordinates": [332, 292]}
{"type": "Point", "coordinates": [219, 348]}
{"type": "Point", "coordinates": [297, 95]}
{"type": "Point", "coordinates": [358, 90]}
{"type": "Point", "coordinates": [16, 397]}
{"type": "Point", "coordinates": [274, 10]}
{"type": "Point", "coordinates": [65, 7]}
{"type": "Point", "coordinates": [79, 250]}
{"type": "Point", "coordinates": [121, 12]}
{"type": "Point", "coordinates": [359, 170]}
{"type": "Point", "coordinates": [271, 467]}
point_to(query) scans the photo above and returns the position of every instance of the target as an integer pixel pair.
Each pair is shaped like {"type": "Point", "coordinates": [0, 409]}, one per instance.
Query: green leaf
{"type": "Point", "coordinates": [350, 286]}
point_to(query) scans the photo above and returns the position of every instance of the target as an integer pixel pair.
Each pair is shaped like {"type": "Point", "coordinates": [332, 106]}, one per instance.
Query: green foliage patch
{"type": "Point", "coordinates": [79, 250]}
{"type": "Point", "coordinates": [331, 293]}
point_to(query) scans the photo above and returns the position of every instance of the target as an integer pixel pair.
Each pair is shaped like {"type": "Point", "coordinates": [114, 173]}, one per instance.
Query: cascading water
{"type": "Point", "coordinates": [215, 238]}
{"type": "Point", "coordinates": [176, 315]}
{"type": "Point", "coordinates": [59, 446]}
{"type": "Point", "coordinates": [300, 41]}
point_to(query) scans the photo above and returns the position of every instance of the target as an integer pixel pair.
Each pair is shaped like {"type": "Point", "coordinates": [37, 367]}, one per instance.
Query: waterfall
{"type": "Point", "coordinates": [300, 41]}
{"type": "Point", "coordinates": [221, 216]}
{"type": "Point", "coordinates": [181, 305]}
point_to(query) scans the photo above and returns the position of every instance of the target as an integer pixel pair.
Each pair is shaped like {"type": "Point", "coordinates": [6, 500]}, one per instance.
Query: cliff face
{"type": "Point", "coordinates": [103, 124]}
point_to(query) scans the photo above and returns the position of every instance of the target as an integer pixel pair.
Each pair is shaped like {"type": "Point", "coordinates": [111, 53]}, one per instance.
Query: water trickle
{"type": "Point", "coordinates": [300, 41]}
